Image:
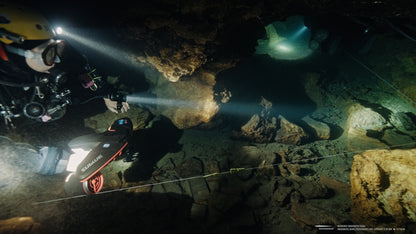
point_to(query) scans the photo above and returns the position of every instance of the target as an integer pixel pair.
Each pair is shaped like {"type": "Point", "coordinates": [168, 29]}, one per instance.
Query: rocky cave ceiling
{"type": "Point", "coordinates": [191, 41]}
{"type": "Point", "coordinates": [181, 37]}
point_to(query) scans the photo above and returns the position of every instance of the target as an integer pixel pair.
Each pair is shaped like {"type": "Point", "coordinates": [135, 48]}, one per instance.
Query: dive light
{"type": "Point", "coordinates": [119, 98]}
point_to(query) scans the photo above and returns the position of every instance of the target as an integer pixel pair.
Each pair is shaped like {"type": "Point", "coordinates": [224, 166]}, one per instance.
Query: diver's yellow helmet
{"type": "Point", "coordinates": [20, 23]}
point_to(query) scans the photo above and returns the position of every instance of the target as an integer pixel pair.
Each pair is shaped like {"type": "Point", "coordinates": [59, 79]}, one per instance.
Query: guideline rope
{"type": "Point", "coordinates": [380, 78]}
{"type": "Point", "coordinates": [230, 171]}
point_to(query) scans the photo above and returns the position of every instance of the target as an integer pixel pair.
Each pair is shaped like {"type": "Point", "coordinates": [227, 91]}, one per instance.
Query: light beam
{"type": "Point", "coordinates": [119, 55]}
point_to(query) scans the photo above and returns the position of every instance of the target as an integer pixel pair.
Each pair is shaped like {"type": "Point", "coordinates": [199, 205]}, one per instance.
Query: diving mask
{"type": "Point", "coordinates": [48, 53]}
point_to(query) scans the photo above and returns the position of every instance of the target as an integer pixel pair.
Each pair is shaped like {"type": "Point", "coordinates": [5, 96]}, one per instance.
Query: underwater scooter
{"type": "Point", "coordinates": [91, 153]}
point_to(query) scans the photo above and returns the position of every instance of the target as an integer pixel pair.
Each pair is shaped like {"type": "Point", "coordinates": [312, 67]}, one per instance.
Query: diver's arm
{"type": "Point", "coordinates": [89, 78]}
{"type": "Point", "coordinates": [115, 107]}
{"type": "Point", "coordinates": [102, 88]}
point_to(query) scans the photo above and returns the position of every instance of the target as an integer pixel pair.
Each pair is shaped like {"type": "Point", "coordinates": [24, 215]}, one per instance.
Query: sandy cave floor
{"type": "Point", "coordinates": [151, 211]}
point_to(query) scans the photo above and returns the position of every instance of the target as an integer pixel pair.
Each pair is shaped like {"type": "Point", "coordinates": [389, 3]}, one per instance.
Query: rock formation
{"type": "Point", "coordinates": [19, 225]}
{"type": "Point", "coordinates": [261, 127]}
{"type": "Point", "coordinates": [400, 71]}
{"type": "Point", "coordinates": [101, 122]}
{"type": "Point", "coordinates": [186, 40]}
{"type": "Point", "coordinates": [383, 188]}
{"type": "Point", "coordinates": [361, 120]}
{"type": "Point", "coordinates": [186, 103]}
{"type": "Point", "coordinates": [265, 128]}
{"type": "Point", "coordinates": [289, 133]}
{"type": "Point", "coordinates": [367, 129]}
{"type": "Point", "coordinates": [322, 130]}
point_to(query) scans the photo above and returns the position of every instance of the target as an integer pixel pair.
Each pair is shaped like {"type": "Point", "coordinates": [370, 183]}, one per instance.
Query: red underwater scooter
{"type": "Point", "coordinates": [91, 153]}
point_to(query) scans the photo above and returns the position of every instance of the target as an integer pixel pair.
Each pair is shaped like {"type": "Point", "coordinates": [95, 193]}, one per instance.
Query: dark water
{"type": "Point", "coordinates": [164, 211]}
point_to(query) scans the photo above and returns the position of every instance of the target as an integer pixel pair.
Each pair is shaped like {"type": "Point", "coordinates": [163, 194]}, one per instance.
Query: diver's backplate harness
{"type": "Point", "coordinates": [40, 97]}
{"type": "Point", "coordinates": [43, 100]}
{"type": "Point", "coordinates": [44, 97]}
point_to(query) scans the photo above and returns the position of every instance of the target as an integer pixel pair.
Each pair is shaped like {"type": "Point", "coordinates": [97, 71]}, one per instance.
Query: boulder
{"type": "Point", "coordinates": [286, 168]}
{"type": "Point", "coordinates": [248, 156]}
{"type": "Point", "coordinates": [365, 118]}
{"type": "Point", "coordinates": [335, 185]}
{"type": "Point", "coordinates": [261, 128]}
{"type": "Point", "coordinates": [302, 156]}
{"type": "Point", "coordinates": [383, 188]}
{"type": "Point", "coordinates": [358, 140]}
{"type": "Point", "coordinates": [312, 190]}
{"type": "Point", "coordinates": [362, 121]}
{"type": "Point", "coordinates": [321, 129]}
{"type": "Point", "coordinates": [289, 133]}
{"type": "Point", "coordinates": [282, 195]}
{"type": "Point", "coordinates": [19, 225]}
{"type": "Point", "coordinates": [403, 122]}
{"type": "Point", "coordinates": [101, 122]}
{"type": "Point", "coordinates": [397, 139]}
{"type": "Point", "coordinates": [187, 103]}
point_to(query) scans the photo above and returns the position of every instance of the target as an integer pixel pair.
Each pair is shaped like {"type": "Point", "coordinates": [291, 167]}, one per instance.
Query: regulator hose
{"type": "Point", "coordinates": [93, 98]}
{"type": "Point", "coordinates": [12, 84]}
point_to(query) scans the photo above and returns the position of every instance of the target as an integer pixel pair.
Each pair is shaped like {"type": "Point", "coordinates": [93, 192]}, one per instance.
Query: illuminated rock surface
{"type": "Point", "coordinates": [401, 70]}
{"type": "Point", "coordinates": [367, 129]}
{"type": "Point", "coordinates": [289, 133]}
{"type": "Point", "coordinates": [100, 122]}
{"type": "Point", "coordinates": [187, 103]}
{"type": "Point", "coordinates": [288, 40]}
{"type": "Point", "coordinates": [261, 127]}
{"type": "Point", "coordinates": [383, 188]}
{"type": "Point", "coordinates": [264, 127]}
{"type": "Point", "coordinates": [19, 225]}
{"type": "Point", "coordinates": [322, 130]}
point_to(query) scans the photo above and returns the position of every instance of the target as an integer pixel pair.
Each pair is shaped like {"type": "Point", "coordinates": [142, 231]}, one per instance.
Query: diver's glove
{"type": "Point", "coordinates": [116, 106]}
{"type": "Point", "coordinates": [53, 160]}
{"type": "Point", "coordinates": [48, 160]}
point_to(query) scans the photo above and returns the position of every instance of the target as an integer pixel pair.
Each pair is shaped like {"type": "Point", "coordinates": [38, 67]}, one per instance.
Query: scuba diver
{"type": "Point", "coordinates": [38, 74]}
{"type": "Point", "coordinates": [37, 69]}
{"type": "Point", "coordinates": [82, 158]}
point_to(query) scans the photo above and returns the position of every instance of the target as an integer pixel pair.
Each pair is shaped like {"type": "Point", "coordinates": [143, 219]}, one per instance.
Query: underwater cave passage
{"type": "Point", "coordinates": [350, 107]}
{"type": "Point", "coordinates": [261, 76]}
{"type": "Point", "coordinates": [287, 40]}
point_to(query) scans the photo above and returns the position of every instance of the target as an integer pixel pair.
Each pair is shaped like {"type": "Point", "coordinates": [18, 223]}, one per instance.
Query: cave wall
{"type": "Point", "coordinates": [180, 37]}
{"type": "Point", "coordinates": [186, 40]}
